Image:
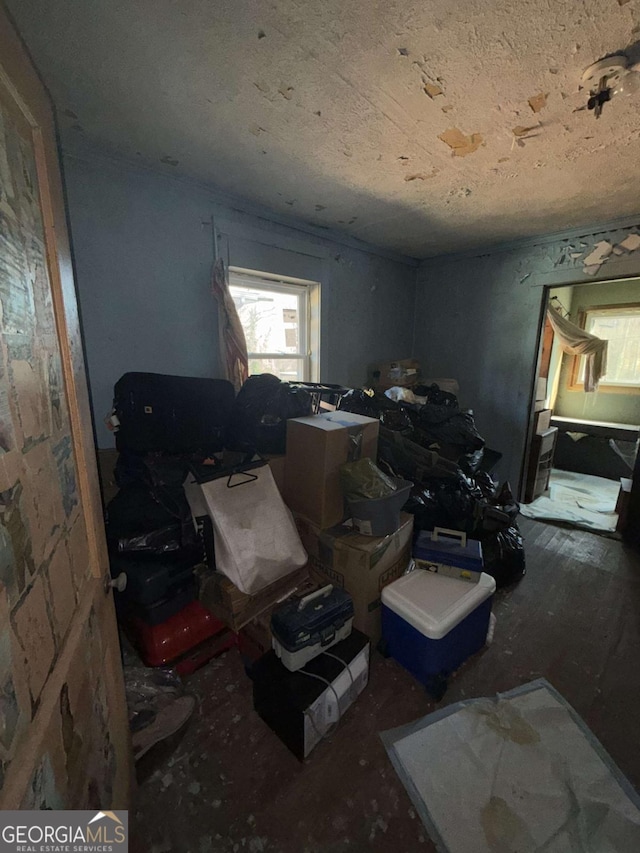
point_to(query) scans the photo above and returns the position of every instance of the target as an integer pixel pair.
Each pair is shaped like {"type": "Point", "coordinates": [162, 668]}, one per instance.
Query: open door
{"type": "Point", "coordinates": [64, 740]}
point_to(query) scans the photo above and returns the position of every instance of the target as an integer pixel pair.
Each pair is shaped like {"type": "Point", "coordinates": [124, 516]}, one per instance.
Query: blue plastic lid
{"type": "Point", "coordinates": [451, 547]}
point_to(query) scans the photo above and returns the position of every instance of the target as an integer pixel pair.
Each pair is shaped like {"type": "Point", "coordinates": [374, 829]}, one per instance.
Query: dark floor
{"type": "Point", "coordinates": [231, 785]}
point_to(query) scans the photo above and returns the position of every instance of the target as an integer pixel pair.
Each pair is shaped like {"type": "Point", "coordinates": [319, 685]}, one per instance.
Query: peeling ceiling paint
{"type": "Point", "coordinates": [354, 115]}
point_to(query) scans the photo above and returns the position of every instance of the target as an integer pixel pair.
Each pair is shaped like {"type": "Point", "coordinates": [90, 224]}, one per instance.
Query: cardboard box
{"type": "Point", "coordinates": [234, 608]}
{"type": "Point", "coordinates": [254, 638]}
{"type": "Point", "coordinates": [362, 565]}
{"type": "Point", "coordinates": [542, 420]}
{"type": "Point", "coordinates": [538, 406]}
{"type": "Point", "coordinates": [541, 388]}
{"type": "Point", "coordinates": [316, 448]}
{"type": "Point", "coordinates": [405, 372]}
{"type": "Point", "coordinates": [302, 710]}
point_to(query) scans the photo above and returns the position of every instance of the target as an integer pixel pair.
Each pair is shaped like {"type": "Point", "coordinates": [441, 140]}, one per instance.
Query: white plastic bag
{"type": "Point", "coordinates": [255, 538]}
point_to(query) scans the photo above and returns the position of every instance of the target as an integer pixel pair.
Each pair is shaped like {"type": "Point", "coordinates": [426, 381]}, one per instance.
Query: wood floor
{"type": "Point", "coordinates": [230, 785]}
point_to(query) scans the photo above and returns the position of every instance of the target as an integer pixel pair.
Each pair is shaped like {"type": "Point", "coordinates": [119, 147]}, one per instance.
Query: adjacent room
{"type": "Point", "coordinates": [580, 465]}
{"type": "Point", "coordinates": [319, 426]}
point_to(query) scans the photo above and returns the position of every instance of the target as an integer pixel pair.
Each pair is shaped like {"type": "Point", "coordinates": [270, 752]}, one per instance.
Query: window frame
{"type": "Point", "coordinates": [309, 331]}
{"type": "Point", "coordinates": [575, 382]}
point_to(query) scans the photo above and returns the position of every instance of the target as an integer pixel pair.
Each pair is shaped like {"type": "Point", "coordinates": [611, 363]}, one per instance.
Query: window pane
{"type": "Point", "coordinates": [271, 319]}
{"type": "Point", "coordinates": [623, 355]}
{"type": "Point", "coordinates": [286, 369]}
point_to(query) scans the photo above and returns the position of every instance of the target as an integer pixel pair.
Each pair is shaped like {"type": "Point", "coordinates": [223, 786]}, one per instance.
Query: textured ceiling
{"type": "Point", "coordinates": [330, 110]}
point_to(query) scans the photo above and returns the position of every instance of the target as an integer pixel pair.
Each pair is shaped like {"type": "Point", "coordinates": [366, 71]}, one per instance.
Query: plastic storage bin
{"type": "Point", "coordinates": [305, 627]}
{"type": "Point", "coordinates": [449, 553]}
{"type": "Point", "coordinates": [432, 623]}
{"type": "Point", "coordinates": [380, 516]}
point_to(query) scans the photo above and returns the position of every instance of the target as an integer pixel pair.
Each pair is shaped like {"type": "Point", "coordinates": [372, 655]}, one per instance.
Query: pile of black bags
{"type": "Point", "coordinates": [260, 413]}
{"type": "Point", "coordinates": [436, 445]}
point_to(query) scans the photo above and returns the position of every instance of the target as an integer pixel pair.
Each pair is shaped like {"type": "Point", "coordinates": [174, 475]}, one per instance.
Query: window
{"type": "Point", "coordinates": [620, 325]}
{"type": "Point", "coordinates": [280, 318]}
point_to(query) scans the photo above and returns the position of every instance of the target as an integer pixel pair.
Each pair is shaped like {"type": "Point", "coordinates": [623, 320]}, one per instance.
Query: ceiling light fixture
{"type": "Point", "coordinates": [608, 78]}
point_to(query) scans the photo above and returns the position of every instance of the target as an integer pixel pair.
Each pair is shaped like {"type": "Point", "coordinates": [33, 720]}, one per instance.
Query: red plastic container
{"type": "Point", "coordinates": [164, 643]}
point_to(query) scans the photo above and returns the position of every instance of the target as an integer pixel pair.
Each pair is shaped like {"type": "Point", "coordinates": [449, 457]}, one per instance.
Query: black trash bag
{"type": "Point", "coordinates": [425, 509]}
{"type": "Point", "coordinates": [152, 523]}
{"type": "Point", "coordinates": [396, 419]}
{"type": "Point", "coordinates": [286, 402]}
{"type": "Point", "coordinates": [470, 462]}
{"type": "Point", "coordinates": [438, 424]}
{"type": "Point", "coordinates": [435, 395]}
{"type": "Point", "coordinates": [486, 484]}
{"type": "Point", "coordinates": [392, 415]}
{"type": "Point", "coordinates": [358, 402]}
{"type": "Point", "coordinates": [463, 503]}
{"type": "Point", "coordinates": [503, 556]}
{"type": "Point", "coordinates": [259, 418]}
{"type": "Point", "coordinates": [151, 469]}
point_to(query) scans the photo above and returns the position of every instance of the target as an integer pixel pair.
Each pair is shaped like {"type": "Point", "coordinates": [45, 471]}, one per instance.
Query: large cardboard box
{"type": "Point", "coordinates": [543, 420]}
{"type": "Point", "coordinates": [362, 565]}
{"type": "Point", "coordinates": [405, 372]}
{"type": "Point", "coordinates": [316, 448]}
{"type": "Point", "coordinates": [234, 608]}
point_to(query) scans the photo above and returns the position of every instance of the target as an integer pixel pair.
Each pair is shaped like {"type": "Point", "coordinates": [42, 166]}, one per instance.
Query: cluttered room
{"type": "Point", "coordinates": [320, 502]}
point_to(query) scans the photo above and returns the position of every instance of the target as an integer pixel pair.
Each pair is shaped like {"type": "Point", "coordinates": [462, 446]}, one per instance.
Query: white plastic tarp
{"type": "Point", "coordinates": [519, 772]}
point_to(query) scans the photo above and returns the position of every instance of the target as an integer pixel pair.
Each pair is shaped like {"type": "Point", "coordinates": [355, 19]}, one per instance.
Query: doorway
{"type": "Point", "coordinates": [584, 445]}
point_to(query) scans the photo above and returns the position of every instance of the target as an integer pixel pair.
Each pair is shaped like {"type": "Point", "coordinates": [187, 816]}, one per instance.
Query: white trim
{"type": "Point", "coordinates": [309, 330]}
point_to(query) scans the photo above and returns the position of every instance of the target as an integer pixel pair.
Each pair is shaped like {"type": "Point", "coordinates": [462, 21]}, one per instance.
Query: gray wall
{"type": "Point", "coordinates": [143, 251]}
{"type": "Point", "coordinates": [477, 321]}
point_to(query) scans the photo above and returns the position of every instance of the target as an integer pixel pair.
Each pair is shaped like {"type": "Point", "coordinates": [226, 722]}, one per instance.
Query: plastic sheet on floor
{"type": "Point", "coordinates": [580, 499]}
{"type": "Point", "coordinates": [520, 771]}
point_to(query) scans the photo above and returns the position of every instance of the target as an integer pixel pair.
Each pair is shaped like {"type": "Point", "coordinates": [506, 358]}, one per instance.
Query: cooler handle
{"type": "Point", "coordinates": [455, 534]}
{"type": "Point", "coordinates": [319, 593]}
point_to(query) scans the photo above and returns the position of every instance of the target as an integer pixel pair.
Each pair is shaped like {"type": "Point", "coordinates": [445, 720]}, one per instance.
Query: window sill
{"type": "Point", "coordinates": [609, 389]}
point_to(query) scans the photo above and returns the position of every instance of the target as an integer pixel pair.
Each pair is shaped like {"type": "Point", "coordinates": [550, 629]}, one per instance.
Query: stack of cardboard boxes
{"type": "Point", "coordinates": [317, 447]}
{"type": "Point", "coordinates": [309, 479]}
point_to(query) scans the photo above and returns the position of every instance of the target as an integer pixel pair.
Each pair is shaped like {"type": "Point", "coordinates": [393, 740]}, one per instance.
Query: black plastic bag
{"type": "Point", "coordinates": [434, 394]}
{"type": "Point", "coordinates": [462, 502]}
{"type": "Point", "coordinates": [396, 419]}
{"type": "Point", "coordinates": [260, 413]}
{"type": "Point", "coordinates": [425, 509]}
{"type": "Point", "coordinates": [152, 523]}
{"type": "Point", "coordinates": [503, 555]}
{"type": "Point", "coordinates": [285, 403]}
{"type": "Point", "coordinates": [151, 469]}
{"type": "Point", "coordinates": [359, 402]}
{"type": "Point", "coordinates": [447, 427]}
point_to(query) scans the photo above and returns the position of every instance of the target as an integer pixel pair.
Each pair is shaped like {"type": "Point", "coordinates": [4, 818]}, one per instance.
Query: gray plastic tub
{"type": "Point", "coordinates": [381, 516]}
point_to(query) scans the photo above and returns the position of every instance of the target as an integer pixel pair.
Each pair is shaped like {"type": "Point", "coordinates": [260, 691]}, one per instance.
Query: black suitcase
{"type": "Point", "coordinates": [175, 414]}
{"type": "Point", "coordinates": [150, 582]}
{"type": "Point", "coordinates": [156, 612]}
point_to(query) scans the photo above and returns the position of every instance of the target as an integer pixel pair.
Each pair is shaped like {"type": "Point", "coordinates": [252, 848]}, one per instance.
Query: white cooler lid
{"type": "Point", "coordinates": [434, 604]}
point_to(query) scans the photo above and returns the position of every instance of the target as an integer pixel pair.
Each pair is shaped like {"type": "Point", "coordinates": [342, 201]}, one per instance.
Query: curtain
{"type": "Point", "coordinates": [233, 346]}
{"type": "Point", "coordinates": [577, 341]}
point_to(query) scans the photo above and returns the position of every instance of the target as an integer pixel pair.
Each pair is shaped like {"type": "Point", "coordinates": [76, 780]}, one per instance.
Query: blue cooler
{"type": "Point", "coordinates": [447, 552]}
{"type": "Point", "coordinates": [432, 623]}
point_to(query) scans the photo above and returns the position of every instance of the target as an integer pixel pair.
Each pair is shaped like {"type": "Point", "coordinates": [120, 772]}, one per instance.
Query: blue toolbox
{"type": "Point", "coordinates": [303, 628]}
{"type": "Point", "coordinates": [447, 552]}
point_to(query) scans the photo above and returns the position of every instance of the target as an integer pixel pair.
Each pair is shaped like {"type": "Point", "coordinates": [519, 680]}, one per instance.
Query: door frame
{"type": "Point", "coordinates": [546, 283]}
